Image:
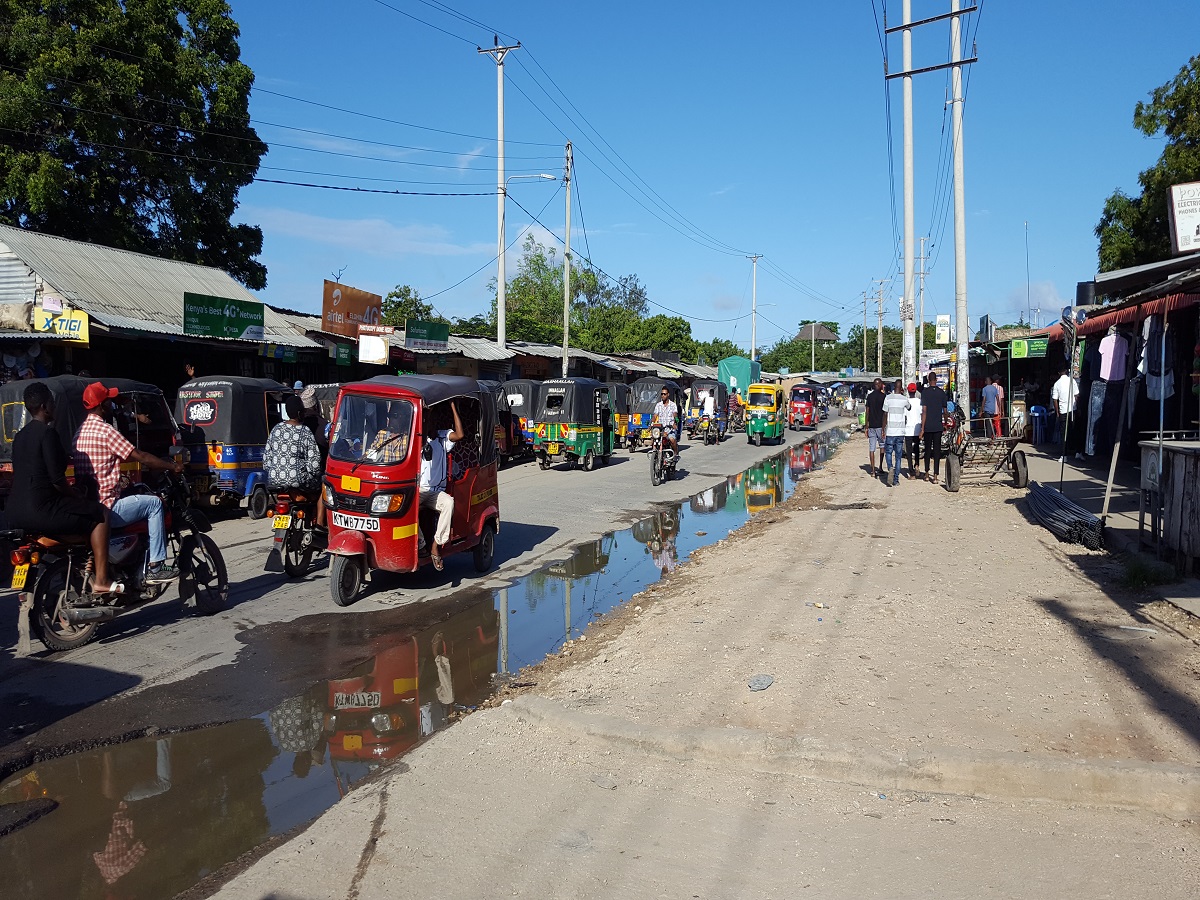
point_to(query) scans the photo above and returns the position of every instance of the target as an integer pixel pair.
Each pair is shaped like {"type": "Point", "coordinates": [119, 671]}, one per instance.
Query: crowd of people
{"type": "Point", "coordinates": [906, 425]}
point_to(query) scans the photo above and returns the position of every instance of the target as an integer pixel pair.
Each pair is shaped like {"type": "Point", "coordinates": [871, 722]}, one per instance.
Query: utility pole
{"type": "Point", "coordinates": [879, 331]}
{"type": "Point", "coordinates": [498, 53]}
{"type": "Point", "coordinates": [907, 361]}
{"type": "Point", "coordinates": [956, 63]}
{"type": "Point", "coordinates": [963, 369]}
{"type": "Point", "coordinates": [864, 331]}
{"type": "Point", "coordinates": [567, 265]}
{"type": "Point", "coordinates": [754, 308]}
{"type": "Point", "coordinates": [921, 333]}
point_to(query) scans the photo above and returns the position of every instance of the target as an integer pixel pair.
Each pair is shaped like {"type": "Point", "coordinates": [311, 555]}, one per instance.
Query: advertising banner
{"type": "Point", "coordinates": [426, 335]}
{"type": "Point", "coordinates": [344, 308]}
{"type": "Point", "coordinates": [1185, 217]}
{"type": "Point", "coordinates": [345, 354]}
{"type": "Point", "coordinates": [374, 343]}
{"type": "Point", "coordinates": [943, 330]}
{"type": "Point", "coordinates": [70, 326]}
{"type": "Point", "coordinates": [222, 317]}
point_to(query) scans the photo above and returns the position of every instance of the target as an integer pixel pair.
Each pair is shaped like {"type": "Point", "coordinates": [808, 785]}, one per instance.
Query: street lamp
{"type": "Point", "coordinates": [500, 309]}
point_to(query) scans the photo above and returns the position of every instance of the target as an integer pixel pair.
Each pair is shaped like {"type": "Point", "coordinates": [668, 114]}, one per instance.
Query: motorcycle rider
{"type": "Point", "coordinates": [292, 458]}
{"type": "Point", "coordinates": [734, 407]}
{"type": "Point", "coordinates": [666, 414]}
{"type": "Point", "coordinates": [42, 500]}
{"type": "Point", "coordinates": [98, 451]}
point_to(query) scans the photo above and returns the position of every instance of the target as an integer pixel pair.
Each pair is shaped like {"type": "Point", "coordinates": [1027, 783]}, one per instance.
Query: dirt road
{"type": "Point", "coordinates": [958, 706]}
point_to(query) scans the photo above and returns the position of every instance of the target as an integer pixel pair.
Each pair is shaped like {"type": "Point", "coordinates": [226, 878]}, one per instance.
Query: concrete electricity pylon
{"type": "Point", "coordinates": [498, 53]}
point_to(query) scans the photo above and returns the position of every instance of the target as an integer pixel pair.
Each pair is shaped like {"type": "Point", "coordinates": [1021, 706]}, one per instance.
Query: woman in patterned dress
{"type": "Point", "coordinates": [292, 459]}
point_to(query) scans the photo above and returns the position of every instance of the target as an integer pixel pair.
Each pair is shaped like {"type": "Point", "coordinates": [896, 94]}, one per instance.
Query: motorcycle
{"type": "Point", "coordinates": [57, 570]}
{"type": "Point", "coordinates": [296, 538]}
{"type": "Point", "coordinates": [737, 419]}
{"type": "Point", "coordinates": [708, 430]}
{"type": "Point", "coordinates": [662, 457]}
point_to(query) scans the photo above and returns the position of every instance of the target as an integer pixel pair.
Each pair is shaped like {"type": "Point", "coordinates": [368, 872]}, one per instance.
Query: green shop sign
{"type": "Point", "coordinates": [222, 317]}
{"type": "Point", "coordinates": [426, 335]}
{"type": "Point", "coordinates": [344, 354]}
{"type": "Point", "coordinates": [1033, 348]}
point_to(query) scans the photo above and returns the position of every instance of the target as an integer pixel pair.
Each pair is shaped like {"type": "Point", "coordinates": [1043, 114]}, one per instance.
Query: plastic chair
{"type": "Point", "coordinates": [1040, 419]}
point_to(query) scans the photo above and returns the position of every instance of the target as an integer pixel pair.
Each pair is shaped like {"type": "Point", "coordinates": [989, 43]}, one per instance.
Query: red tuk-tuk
{"type": "Point", "coordinates": [803, 408]}
{"type": "Point", "coordinates": [371, 477]}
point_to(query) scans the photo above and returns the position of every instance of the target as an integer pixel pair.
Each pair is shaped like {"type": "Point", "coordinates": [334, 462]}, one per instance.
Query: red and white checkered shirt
{"type": "Point", "coordinates": [98, 451]}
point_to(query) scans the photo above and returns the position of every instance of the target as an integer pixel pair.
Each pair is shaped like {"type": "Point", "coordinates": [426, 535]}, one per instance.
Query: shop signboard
{"type": "Point", "coordinates": [943, 330]}
{"type": "Point", "coordinates": [222, 317]}
{"type": "Point", "coordinates": [275, 351]}
{"type": "Point", "coordinates": [1185, 217]}
{"type": "Point", "coordinates": [426, 335]}
{"type": "Point", "coordinates": [344, 308]}
{"type": "Point", "coordinates": [1038, 347]}
{"type": "Point", "coordinates": [374, 343]}
{"type": "Point", "coordinates": [71, 325]}
{"type": "Point", "coordinates": [344, 354]}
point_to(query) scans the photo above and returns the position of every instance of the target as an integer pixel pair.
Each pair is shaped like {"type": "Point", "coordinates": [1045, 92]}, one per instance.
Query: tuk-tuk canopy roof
{"type": "Point", "coordinates": [68, 400]}
{"type": "Point", "coordinates": [527, 388]}
{"type": "Point", "coordinates": [579, 400]}
{"type": "Point", "coordinates": [231, 409]}
{"type": "Point", "coordinates": [712, 385]}
{"type": "Point", "coordinates": [622, 396]}
{"type": "Point", "coordinates": [645, 393]}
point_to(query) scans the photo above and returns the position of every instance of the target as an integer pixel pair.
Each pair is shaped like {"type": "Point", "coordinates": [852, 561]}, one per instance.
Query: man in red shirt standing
{"type": "Point", "coordinates": [98, 451]}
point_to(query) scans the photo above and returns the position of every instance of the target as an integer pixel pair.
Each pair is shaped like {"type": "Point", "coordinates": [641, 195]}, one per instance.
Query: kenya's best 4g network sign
{"type": "Point", "coordinates": [222, 317]}
{"type": "Point", "coordinates": [345, 308]}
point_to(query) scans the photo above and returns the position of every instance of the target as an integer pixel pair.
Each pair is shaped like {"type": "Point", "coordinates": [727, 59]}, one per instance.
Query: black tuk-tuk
{"type": "Point", "coordinates": [142, 416]}
{"type": "Point", "coordinates": [573, 422]}
{"type": "Point", "coordinates": [710, 387]}
{"type": "Point", "coordinates": [224, 423]}
{"type": "Point", "coordinates": [644, 397]}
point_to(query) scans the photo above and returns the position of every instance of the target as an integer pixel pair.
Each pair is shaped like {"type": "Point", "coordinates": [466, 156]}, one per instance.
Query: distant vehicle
{"type": "Point", "coordinates": [803, 408]}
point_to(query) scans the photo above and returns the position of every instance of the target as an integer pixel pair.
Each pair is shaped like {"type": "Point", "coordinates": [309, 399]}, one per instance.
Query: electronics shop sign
{"type": "Point", "coordinates": [222, 317]}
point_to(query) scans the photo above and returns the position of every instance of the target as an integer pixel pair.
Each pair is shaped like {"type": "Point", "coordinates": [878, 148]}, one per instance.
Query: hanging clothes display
{"type": "Point", "coordinates": [1095, 410]}
{"type": "Point", "coordinates": [1157, 366]}
{"type": "Point", "coordinates": [1112, 357]}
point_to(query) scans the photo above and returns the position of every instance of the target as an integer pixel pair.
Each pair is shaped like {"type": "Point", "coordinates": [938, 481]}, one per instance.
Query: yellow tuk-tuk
{"type": "Point", "coordinates": [766, 417]}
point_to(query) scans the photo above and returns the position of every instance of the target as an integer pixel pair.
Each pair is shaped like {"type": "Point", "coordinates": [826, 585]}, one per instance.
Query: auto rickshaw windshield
{"type": "Point", "coordinates": [758, 398]}
{"type": "Point", "coordinates": [371, 428]}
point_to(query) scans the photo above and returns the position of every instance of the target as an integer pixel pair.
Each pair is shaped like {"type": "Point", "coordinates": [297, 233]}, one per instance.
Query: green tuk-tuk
{"type": "Point", "coordinates": [573, 422]}
{"type": "Point", "coordinates": [766, 416]}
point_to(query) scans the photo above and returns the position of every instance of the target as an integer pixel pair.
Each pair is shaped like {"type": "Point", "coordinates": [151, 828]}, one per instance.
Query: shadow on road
{"type": "Point", "coordinates": [78, 686]}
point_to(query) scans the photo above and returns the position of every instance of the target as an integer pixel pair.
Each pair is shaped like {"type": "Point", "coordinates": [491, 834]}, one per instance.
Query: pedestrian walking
{"type": "Point", "coordinates": [1001, 409]}
{"type": "Point", "coordinates": [933, 404]}
{"type": "Point", "coordinates": [875, 424]}
{"type": "Point", "coordinates": [912, 430]}
{"type": "Point", "coordinates": [895, 408]}
{"type": "Point", "coordinates": [990, 416]}
{"type": "Point", "coordinates": [1062, 403]}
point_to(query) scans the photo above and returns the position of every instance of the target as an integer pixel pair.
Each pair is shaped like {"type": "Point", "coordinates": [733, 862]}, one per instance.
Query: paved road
{"type": "Point", "coordinates": [544, 513]}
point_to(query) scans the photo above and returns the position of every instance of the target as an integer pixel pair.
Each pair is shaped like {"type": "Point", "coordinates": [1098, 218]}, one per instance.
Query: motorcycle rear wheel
{"type": "Point", "coordinates": [296, 561]}
{"type": "Point", "coordinates": [51, 630]}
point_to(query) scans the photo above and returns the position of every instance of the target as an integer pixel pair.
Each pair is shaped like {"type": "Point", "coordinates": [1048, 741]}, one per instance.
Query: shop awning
{"type": "Point", "coordinates": [1097, 324]}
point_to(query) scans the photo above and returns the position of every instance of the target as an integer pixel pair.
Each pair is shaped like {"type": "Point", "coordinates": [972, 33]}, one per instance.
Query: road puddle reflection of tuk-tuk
{"type": "Point", "coordinates": [142, 416]}
{"type": "Point", "coordinates": [711, 499]}
{"type": "Point", "coordinates": [376, 518]}
{"type": "Point", "coordinates": [801, 459]}
{"type": "Point", "coordinates": [764, 485]}
{"type": "Point", "coordinates": [224, 423]}
{"type": "Point", "coordinates": [412, 685]}
{"type": "Point", "coordinates": [573, 423]}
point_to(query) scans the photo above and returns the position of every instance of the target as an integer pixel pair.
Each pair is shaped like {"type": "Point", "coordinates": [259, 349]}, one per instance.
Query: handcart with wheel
{"type": "Point", "coordinates": [967, 452]}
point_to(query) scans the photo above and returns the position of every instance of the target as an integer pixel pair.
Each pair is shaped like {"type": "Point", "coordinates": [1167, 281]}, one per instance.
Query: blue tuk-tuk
{"type": "Point", "coordinates": [644, 396]}
{"type": "Point", "coordinates": [707, 387]}
{"type": "Point", "coordinates": [224, 422]}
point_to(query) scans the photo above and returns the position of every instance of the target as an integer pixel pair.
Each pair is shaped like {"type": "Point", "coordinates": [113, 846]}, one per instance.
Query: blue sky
{"type": "Point", "coordinates": [760, 126]}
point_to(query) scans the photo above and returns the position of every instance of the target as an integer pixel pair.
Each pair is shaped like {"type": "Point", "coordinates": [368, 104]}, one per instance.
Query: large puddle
{"type": "Point", "coordinates": [152, 817]}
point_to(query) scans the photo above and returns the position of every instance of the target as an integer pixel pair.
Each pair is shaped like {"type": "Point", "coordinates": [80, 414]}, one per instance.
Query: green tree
{"type": "Point", "coordinates": [127, 124]}
{"type": "Point", "coordinates": [403, 302]}
{"type": "Point", "coordinates": [715, 350]}
{"type": "Point", "coordinates": [670, 333]}
{"type": "Point", "coordinates": [1136, 230]}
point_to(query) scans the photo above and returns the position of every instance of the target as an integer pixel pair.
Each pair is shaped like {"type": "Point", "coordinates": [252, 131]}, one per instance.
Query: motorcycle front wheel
{"type": "Point", "coordinates": [654, 468]}
{"type": "Point", "coordinates": [49, 616]}
{"type": "Point", "coordinates": [202, 574]}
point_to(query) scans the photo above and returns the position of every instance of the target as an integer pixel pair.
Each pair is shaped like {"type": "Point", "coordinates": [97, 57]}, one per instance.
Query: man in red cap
{"type": "Point", "coordinates": [99, 450]}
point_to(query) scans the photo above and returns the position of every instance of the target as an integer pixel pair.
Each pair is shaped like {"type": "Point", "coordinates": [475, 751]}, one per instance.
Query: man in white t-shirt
{"type": "Point", "coordinates": [1062, 404]}
{"type": "Point", "coordinates": [895, 411]}
{"type": "Point", "coordinates": [912, 430]}
{"type": "Point", "coordinates": [433, 478]}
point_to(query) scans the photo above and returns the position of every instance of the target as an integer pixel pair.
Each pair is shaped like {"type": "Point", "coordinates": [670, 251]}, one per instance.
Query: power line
{"type": "Point", "coordinates": [408, 15]}
{"type": "Point", "coordinates": [361, 190]}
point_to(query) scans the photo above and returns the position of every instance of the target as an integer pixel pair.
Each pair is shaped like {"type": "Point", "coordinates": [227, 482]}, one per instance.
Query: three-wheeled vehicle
{"type": "Point", "coordinates": [644, 396]}
{"type": "Point", "coordinates": [766, 419]}
{"type": "Point", "coordinates": [764, 485]}
{"type": "Point", "coordinates": [719, 420]}
{"type": "Point", "coordinates": [521, 394]}
{"type": "Point", "coordinates": [142, 416]}
{"type": "Point", "coordinates": [804, 410]}
{"type": "Point", "coordinates": [511, 443]}
{"type": "Point", "coordinates": [224, 422]}
{"type": "Point", "coordinates": [371, 476]}
{"type": "Point", "coordinates": [573, 423]}
{"type": "Point", "coordinates": [621, 399]}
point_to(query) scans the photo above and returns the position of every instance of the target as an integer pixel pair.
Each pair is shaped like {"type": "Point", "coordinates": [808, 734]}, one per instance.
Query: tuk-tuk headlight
{"type": "Point", "coordinates": [382, 504]}
{"type": "Point", "coordinates": [330, 499]}
{"type": "Point", "coordinates": [382, 722]}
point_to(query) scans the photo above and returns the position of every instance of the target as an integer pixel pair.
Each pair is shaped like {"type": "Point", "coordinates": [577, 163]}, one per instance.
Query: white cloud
{"type": "Point", "coordinates": [376, 237]}
{"type": "Point", "coordinates": [465, 159]}
{"type": "Point", "coordinates": [721, 191]}
{"type": "Point", "coordinates": [1044, 303]}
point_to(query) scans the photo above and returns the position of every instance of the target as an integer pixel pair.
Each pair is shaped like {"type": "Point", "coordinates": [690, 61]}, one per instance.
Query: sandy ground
{"type": "Point", "coordinates": [973, 709]}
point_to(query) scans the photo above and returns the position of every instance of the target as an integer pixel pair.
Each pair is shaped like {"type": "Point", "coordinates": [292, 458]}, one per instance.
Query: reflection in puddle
{"type": "Point", "coordinates": [151, 817]}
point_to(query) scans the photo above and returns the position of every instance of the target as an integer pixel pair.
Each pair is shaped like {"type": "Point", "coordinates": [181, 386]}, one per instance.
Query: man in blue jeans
{"type": "Point", "coordinates": [895, 406]}
{"type": "Point", "coordinates": [98, 452]}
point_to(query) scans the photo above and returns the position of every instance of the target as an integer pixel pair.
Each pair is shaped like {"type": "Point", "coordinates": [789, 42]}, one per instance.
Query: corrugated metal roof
{"type": "Point", "coordinates": [28, 336]}
{"type": "Point", "coordinates": [123, 289]}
